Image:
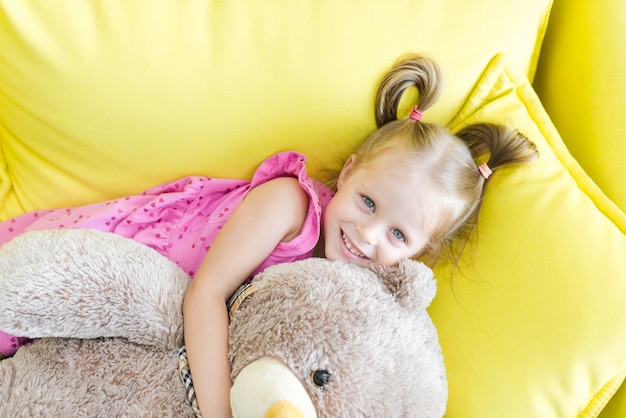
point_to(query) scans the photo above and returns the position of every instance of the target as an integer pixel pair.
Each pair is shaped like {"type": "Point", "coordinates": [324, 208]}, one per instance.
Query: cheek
{"type": "Point", "coordinates": [410, 253]}
{"type": "Point", "coordinates": [393, 255]}
{"type": "Point", "coordinates": [336, 209]}
{"type": "Point", "coordinates": [420, 248]}
{"type": "Point", "coordinates": [329, 215]}
{"type": "Point", "coordinates": [388, 255]}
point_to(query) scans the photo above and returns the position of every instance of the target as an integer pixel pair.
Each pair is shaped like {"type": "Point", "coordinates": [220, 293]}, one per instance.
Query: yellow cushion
{"type": "Point", "coordinates": [102, 99]}
{"type": "Point", "coordinates": [533, 323]}
{"type": "Point", "coordinates": [582, 84]}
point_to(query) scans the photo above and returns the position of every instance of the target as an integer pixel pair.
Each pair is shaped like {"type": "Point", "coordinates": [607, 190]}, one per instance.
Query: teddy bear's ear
{"type": "Point", "coordinates": [411, 282]}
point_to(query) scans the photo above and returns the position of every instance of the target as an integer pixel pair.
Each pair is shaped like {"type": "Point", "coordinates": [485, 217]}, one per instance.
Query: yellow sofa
{"type": "Point", "coordinates": [100, 99]}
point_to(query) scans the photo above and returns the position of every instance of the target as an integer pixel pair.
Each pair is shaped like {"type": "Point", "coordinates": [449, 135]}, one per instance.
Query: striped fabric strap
{"type": "Point", "coordinates": [238, 297]}
{"type": "Point", "coordinates": [185, 375]}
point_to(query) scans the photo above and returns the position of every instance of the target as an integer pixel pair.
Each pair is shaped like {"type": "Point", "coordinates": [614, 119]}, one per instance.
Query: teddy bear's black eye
{"type": "Point", "coordinates": [320, 377]}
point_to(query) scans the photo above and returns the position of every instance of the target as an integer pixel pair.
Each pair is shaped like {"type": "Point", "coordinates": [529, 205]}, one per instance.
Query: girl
{"type": "Point", "coordinates": [408, 191]}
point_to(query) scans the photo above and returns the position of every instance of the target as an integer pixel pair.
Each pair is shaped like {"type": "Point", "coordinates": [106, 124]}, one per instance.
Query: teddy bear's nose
{"type": "Point", "coordinates": [320, 377]}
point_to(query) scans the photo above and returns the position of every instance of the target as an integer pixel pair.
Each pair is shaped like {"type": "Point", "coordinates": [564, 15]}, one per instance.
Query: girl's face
{"type": "Point", "coordinates": [377, 215]}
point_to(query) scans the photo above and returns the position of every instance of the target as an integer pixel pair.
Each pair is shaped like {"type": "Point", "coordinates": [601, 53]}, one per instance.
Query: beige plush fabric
{"type": "Point", "coordinates": [109, 377]}
{"type": "Point", "coordinates": [91, 286]}
{"type": "Point", "coordinates": [111, 314]}
{"type": "Point", "coordinates": [368, 329]}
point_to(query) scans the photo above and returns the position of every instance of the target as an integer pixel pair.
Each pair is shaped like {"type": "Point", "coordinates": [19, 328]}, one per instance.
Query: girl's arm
{"type": "Point", "coordinates": [272, 212]}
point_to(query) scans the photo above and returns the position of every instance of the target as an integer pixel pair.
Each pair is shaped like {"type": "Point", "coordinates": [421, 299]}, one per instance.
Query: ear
{"type": "Point", "coordinates": [345, 171]}
{"type": "Point", "coordinates": [411, 282]}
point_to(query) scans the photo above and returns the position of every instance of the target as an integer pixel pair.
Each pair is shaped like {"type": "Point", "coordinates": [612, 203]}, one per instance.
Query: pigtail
{"type": "Point", "coordinates": [498, 145]}
{"type": "Point", "coordinates": [492, 147]}
{"type": "Point", "coordinates": [410, 71]}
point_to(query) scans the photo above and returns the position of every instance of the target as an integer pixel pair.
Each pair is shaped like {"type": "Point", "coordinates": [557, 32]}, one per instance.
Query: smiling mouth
{"type": "Point", "coordinates": [350, 247]}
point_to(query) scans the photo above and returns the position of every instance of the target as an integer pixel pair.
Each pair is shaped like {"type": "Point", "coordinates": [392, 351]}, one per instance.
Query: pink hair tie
{"type": "Point", "coordinates": [485, 171]}
{"type": "Point", "coordinates": [416, 114]}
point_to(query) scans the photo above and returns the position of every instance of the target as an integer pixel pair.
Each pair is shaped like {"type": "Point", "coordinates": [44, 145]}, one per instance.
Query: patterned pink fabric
{"type": "Point", "coordinates": [180, 219]}
{"type": "Point", "coordinates": [10, 343]}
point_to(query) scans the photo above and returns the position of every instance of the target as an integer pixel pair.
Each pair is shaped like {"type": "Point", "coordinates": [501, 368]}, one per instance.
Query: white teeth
{"type": "Point", "coordinates": [350, 247]}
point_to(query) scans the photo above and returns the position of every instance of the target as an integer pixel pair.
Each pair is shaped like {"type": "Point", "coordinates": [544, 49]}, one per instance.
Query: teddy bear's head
{"type": "Point", "coordinates": [337, 339]}
{"type": "Point", "coordinates": [355, 342]}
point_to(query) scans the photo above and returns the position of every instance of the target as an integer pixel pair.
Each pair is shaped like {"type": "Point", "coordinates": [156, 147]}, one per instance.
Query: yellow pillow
{"type": "Point", "coordinates": [582, 84]}
{"type": "Point", "coordinates": [532, 325]}
{"type": "Point", "coordinates": [106, 98]}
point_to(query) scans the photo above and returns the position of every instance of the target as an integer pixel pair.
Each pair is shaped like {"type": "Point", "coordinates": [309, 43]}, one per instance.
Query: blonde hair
{"type": "Point", "coordinates": [447, 161]}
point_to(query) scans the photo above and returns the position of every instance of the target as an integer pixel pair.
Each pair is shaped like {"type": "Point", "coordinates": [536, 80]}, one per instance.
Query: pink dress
{"type": "Point", "coordinates": [180, 219]}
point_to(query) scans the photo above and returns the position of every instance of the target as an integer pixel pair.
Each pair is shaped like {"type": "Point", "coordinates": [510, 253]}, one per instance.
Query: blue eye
{"type": "Point", "coordinates": [369, 202]}
{"type": "Point", "coordinates": [397, 234]}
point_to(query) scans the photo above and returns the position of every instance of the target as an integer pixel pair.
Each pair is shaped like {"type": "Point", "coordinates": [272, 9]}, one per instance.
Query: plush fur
{"type": "Point", "coordinates": [368, 329]}
{"type": "Point", "coordinates": [121, 304]}
{"type": "Point", "coordinates": [110, 310]}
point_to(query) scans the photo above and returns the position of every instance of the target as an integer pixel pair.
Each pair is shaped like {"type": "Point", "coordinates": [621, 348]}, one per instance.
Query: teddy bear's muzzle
{"type": "Point", "coordinates": [267, 388]}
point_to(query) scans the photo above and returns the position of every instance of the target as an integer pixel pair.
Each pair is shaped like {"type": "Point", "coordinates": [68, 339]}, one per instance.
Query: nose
{"type": "Point", "coordinates": [368, 232]}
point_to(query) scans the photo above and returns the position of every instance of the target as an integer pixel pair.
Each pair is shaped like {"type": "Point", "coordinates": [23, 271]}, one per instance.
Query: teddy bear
{"type": "Point", "coordinates": [311, 338]}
